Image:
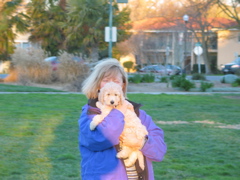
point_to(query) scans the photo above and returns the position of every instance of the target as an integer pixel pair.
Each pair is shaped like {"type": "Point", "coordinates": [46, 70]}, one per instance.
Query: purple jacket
{"type": "Point", "coordinates": [98, 147]}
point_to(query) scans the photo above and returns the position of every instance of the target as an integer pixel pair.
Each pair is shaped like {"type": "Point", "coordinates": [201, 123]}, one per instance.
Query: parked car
{"type": "Point", "coordinates": [176, 70]}
{"type": "Point", "coordinates": [156, 69]}
{"type": "Point", "coordinates": [54, 60]}
{"type": "Point", "coordinates": [231, 68]}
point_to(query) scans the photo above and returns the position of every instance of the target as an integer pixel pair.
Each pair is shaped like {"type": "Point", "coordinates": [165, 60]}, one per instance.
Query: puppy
{"type": "Point", "coordinates": [134, 126]}
{"type": "Point", "coordinates": [108, 98]}
{"type": "Point", "coordinates": [111, 96]}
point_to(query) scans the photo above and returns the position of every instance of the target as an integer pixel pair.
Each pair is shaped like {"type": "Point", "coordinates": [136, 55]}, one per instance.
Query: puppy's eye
{"type": "Point", "coordinates": [116, 95]}
{"type": "Point", "coordinates": [108, 94]}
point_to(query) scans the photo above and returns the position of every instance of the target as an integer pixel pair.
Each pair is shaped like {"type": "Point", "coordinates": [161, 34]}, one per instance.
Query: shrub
{"type": "Point", "coordinates": [76, 84]}
{"type": "Point", "coordinates": [164, 79]}
{"type": "Point", "coordinates": [237, 72]}
{"type": "Point", "coordinates": [236, 83]}
{"type": "Point", "coordinates": [229, 78]}
{"type": "Point", "coordinates": [197, 76]}
{"type": "Point", "coordinates": [148, 78]}
{"type": "Point", "coordinates": [172, 77]}
{"type": "Point", "coordinates": [69, 70]}
{"type": "Point", "coordinates": [223, 80]}
{"type": "Point", "coordinates": [182, 82]}
{"type": "Point", "coordinates": [137, 67]}
{"type": "Point", "coordinates": [206, 85]}
{"type": "Point", "coordinates": [30, 66]}
{"type": "Point", "coordinates": [128, 65]}
{"type": "Point", "coordinates": [136, 78]}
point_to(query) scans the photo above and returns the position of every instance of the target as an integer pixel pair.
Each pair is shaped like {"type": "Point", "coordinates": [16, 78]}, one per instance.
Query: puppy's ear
{"type": "Point", "coordinates": [100, 96]}
{"type": "Point", "coordinates": [122, 98]}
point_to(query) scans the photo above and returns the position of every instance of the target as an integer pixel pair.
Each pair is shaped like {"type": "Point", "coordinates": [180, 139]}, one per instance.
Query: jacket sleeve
{"type": "Point", "coordinates": [105, 135]}
{"type": "Point", "coordinates": [155, 147]}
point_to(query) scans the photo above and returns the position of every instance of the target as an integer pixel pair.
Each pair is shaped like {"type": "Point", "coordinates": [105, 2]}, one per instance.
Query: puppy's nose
{"type": "Point", "coordinates": [112, 102]}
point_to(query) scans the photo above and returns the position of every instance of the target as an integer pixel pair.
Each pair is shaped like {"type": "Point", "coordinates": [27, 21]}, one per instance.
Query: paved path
{"type": "Point", "coordinates": [183, 93]}
{"type": "Point", "coordinates": [210, 78]}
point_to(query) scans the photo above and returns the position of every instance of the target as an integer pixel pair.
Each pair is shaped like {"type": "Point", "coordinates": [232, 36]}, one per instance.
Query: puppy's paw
{"type": "Point", "coordinates": [140, 160]}
{"type": "Point", "coordinates": [92, 126]}
{"type": "Point", "coordinates": [128, 163]}
{"type": "Point", "coordinates": [122, 155]}
{"type": "Point", "coordinates": [131, 159]}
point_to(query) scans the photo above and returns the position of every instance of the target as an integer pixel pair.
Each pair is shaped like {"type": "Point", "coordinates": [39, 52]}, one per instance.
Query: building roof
{"type": "Point", "coordinates": [161, 23]}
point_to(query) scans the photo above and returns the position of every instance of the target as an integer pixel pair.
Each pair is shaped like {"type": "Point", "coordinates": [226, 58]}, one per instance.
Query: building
{"type": "Point", "coordinates": [173, 42]}
{"type": "Point", "coordinates": [22, 39]}
{"type": "Point", "coordinates": [228, 46]}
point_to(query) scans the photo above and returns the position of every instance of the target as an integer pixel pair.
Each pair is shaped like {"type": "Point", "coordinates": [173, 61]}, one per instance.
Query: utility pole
{"type": "Point", "coordinates": [110, 29]}
{"type": "Point", "coordinates": [185, 19]}
{"type": "Point", "coordinates": [110, 32]}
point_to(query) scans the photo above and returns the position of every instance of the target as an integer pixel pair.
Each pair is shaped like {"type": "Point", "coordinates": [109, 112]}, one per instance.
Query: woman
{"type": "Point", "coordinates": [99, 147]}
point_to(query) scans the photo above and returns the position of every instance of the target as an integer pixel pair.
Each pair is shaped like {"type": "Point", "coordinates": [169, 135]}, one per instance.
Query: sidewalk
{"type": "Point", "coordinates": [156, 93]}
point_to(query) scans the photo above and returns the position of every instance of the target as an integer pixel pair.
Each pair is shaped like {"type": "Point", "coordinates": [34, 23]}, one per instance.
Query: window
{"type": "Point", "coordinates": [25, 45]}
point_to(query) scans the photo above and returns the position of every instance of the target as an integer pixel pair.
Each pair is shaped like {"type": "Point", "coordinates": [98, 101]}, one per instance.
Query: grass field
{"type": "Point", "coordinates": [19, 88]}
{"type": "Point", "coordinates": [39, 135]}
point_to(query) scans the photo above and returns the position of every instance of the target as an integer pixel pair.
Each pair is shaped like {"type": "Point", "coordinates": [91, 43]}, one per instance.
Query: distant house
{"type": "Point", "coordinates": [22, 41]}
{"type": "Point", "coordinates": [162, 42]}
{"type": "Point", "coordinates": [228, 45]}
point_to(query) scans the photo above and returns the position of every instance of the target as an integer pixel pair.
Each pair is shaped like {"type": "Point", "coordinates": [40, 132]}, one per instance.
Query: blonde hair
{"type": "Point", "coordinates": [109, 66]}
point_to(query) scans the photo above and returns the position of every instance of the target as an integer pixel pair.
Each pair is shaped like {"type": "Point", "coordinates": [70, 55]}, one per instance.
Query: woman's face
{"type": "Point", "coordinates": [117, 78]}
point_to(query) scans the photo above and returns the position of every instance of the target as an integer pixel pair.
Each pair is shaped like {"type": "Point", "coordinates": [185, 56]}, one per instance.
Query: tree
{"type": "Point", "coordinates": [170, 9]}
{"type": "Point", "coordinates": [84, 26]}
{"type": "Point", "coordinates": [11, 22]}
{"type": "Point", "coordinates": [133, 46]}
{"type": "Point", "coordinates": [231, 9]}
{"type": "Point", "coordinates": [47, 18]}
{"type": "Point", "coordinates": [141, 9]}
{"type": "Point", "coordinates": [128, 65]}
{"type": "Point", "coordinates": [87, 20]}
{"type": "Point", "coordinates": [201, 23]}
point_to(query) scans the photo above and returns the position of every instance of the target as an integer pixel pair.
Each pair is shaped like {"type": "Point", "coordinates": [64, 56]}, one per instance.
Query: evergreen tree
{"type": "Point", "coordinates": [87, 20]}
{"type": "Point", "coordinates": [47, 18]}
{"type": "Point", "coordinates": [12, 21]}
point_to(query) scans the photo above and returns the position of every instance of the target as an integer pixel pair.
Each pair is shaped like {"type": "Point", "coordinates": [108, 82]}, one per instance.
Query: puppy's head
{"type": "Point", "coordinates": [111, 94]}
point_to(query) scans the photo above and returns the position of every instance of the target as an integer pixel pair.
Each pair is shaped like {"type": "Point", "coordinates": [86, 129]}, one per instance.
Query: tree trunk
{"type": "Point", "coordinates": [207, 64]}
{"type": "Point", "coordinates": [206, 57]}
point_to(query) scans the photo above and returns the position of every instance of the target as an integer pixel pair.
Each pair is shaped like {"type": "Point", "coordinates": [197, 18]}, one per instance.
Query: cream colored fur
{"type": "Point", "coordinates": [108, 98]}
{"type": "Point", "coordinates": [111, 96]}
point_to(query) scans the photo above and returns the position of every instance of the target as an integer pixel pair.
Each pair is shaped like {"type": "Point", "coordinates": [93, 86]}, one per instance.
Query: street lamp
{"type": "Point", "coordinates": [185, 19]}
{"type": "Point", "coordinates": [110, 25]}
{"type": "Point", "coordinates": [110, 30]}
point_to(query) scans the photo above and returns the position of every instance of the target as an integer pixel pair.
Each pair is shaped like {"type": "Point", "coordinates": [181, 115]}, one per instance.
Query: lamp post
{"type": "Point", "coordinates": [185, 19]}
{"type": "Point", "coordinates": [110, 25]}
{"type": "Point", "coordinates": [166, 60]}
{"type": "Point", "coordinates": [110, 29]}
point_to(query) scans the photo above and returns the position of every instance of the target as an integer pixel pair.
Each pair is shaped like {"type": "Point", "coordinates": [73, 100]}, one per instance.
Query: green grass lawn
{"type": "Point", "coordinates": [18, 88]}
{"type": "Point", "coordinates": [39, 136]}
